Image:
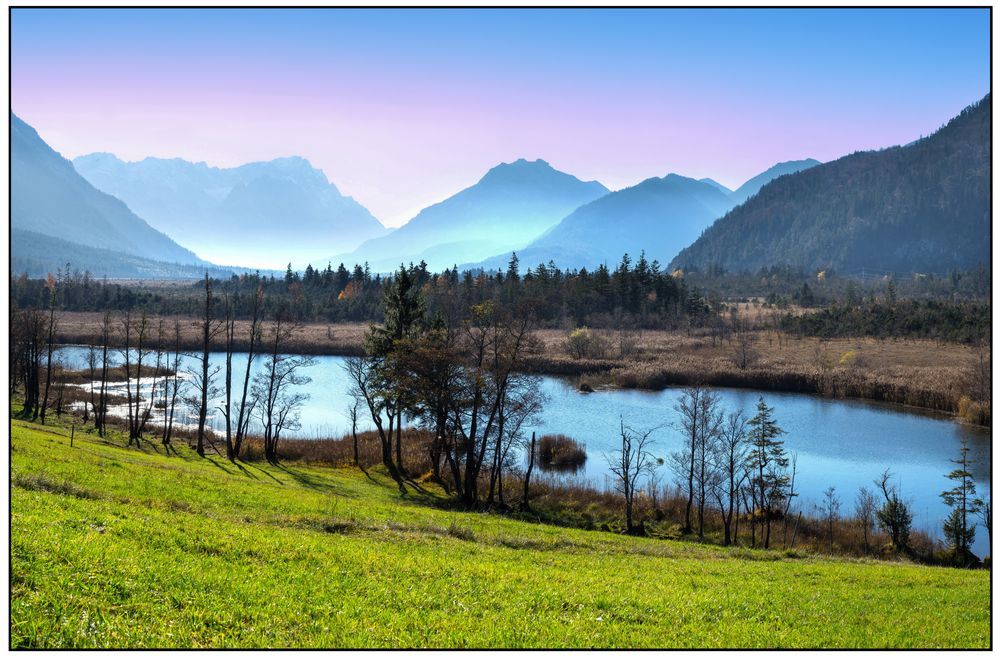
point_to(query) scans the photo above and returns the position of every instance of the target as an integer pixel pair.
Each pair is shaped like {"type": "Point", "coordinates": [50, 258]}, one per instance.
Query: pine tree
{"type": "Point", "coordinates": [769, 462]}
{"type": "Point", "coordinates": [959, 533]}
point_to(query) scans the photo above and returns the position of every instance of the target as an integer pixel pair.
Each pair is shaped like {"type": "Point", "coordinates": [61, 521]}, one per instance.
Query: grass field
{"type": "Point", "coordinates": [116, 547]}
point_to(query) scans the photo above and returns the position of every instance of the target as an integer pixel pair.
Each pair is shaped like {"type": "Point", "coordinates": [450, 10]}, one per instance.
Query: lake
{"type": "Point", "coordinates": [841, 443]}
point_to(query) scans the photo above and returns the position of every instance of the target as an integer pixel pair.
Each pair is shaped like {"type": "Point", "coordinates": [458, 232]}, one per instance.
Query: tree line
{"type": "Point", "coordinates": [636, 292]}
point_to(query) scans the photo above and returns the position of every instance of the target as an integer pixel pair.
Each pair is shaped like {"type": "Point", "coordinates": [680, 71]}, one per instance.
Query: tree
{"type": "Point", "coordinates": [229, 332]}
{"type": "Point", "coordinates": [769, 464]}
{"type": "Point", "coordinates": [404, 309]}
{"type": "Point", "coordinates": [204, 383]}
{"type": "Point", "coordinates": [960, 534]}
{"type": "Point", "coordinates": [133, 356]}
{"type": "Point", "coordinates": [100, 413]}
{"type": "Point", "coordinates": [894, 516]}
{"type": "Point", "coordinates": [50, 284]}
{"type": "Point", "coordinates": [172, 388]}
{"type": "Point", "coordinates": [830, 511]}
{"type": "Point", "coordinates": [985, 516]}
{"type": "Point", "coordinates": [364, 386]}
{"type": "Point", "coordinates": [629, 465]}
{"type": "Point", "coordinates": [493, 345]}
{"type": "Point", "coordinates": [525, 501]}
{"type": "Point", "coordinates": [29, 334]}
{"type": "Point", "coordinates": [690, 407]}
{"type": "Point", "coordinates": [729, 455]}
{"type": "Point", "coordinates": [865, 509]}
{"type": "Point", "coordinates": [244, 414]}
{"type": "Point", "coordinates": [352, 414]}
{"type": "Point", "coordinates": [276, 401]}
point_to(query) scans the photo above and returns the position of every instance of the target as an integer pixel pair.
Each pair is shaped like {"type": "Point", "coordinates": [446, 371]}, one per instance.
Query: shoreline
{"type": "Point", "coordinates": [906, 373]}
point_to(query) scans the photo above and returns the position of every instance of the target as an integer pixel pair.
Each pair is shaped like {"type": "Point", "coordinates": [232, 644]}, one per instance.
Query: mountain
{"type": "Point", "coordinates": [925, 207]}
{"type": "Point", "coordinates": [715, 184]}
{"type": "Point", "coordinates": [659, 216]}
{"type": "Point", "coordinates": [48, 197]}
{"type": "Point", "coordinates": [36, 255]}
{"type": "Point", "coordinates": [510, 206]}
{"type": "Point", "coordinates": [753, 185]}
{"type": "Point", "coordinates": [263, 213]}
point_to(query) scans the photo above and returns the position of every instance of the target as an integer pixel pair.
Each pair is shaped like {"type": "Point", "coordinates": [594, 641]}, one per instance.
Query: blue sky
{"type": "Point", "coordinates": [401, 108]}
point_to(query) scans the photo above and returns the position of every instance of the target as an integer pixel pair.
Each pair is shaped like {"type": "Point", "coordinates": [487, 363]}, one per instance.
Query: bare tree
{"type": "Point", "coordinates": [710, 420]}
{"type": "Point", "coordinates": [229, 329]}
{"type": "Point", "coordinates": [865, 509]}
{"type": "Point", "coordinates": [30, 334]}
{"type": "Point", "coordinates": [985, 516]}
{"type": "Point", "coordinates": [133, 355]}
{"type": "Point", "coordinates": [525, 501]}
{"type": "Point", "coordinates": [830, 511]}
{"type": "Point", "coordinates": [365, 387]}
{"type": "Point", "coordinates": [157, 375]}
{"type": "Point", "coordinates": [729, 455]}
{"type": "Point", "coordinates": [690, 407]}
{"type": "Point", "coordinates": [50, 284]}
{"type": "Point", "coordinates": [276, 401]}
{"type": "Point", "coordinates": [352, 414]}
{"type": "Point", "coordinates": [495, 343]}
{"type": "Point", "coordinates": [205, 382]}
{"type": "Point", "coordinates": [744, 356]}
{"type": "Point", "coordinates": [100, 414]}
{"type": "Point", "coordinates": [628, 465]}
{"type": "Point", "coordinates": [172, 388]}
{"type": "Point", "coordinates": [245, 412]}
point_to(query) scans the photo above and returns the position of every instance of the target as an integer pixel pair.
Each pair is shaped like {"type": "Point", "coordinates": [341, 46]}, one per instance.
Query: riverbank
{"type": "Point", "coordinates": [919, 373]}
{"type": "Point", "coordinates": [177, 550]}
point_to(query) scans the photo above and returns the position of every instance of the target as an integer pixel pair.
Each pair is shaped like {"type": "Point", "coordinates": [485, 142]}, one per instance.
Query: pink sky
{"type": "Point", "coordinates": [403, 109]}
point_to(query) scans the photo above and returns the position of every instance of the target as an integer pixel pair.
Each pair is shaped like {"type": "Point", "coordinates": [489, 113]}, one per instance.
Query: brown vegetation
{"type": "Point", "coordinates": [920, 373]}
{"type": "Point", "coordinates": [557, 452]}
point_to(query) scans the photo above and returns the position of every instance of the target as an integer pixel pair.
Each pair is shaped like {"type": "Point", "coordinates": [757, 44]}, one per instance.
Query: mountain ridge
{"type": "Point", "coordinates": [921, 207]}
{"type": "Point", "coordinates": [49, 197]}
{"type": "Point", "coordinates": [511, 204]}
{"type": "Point", "coordinates": [269, 211]}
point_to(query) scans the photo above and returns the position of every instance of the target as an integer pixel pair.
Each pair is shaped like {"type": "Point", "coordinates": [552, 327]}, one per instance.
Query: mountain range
{"type": "Point", "coordinates": [512, 204]}
{"type": "Point", "coordinates": [923, 207]}
{"type": "Point", "coordinates": [659, 216]}
{"type": "Point", "coordinates": [261, 213]}
{"type": "Point", "coordinates": [49, 198]}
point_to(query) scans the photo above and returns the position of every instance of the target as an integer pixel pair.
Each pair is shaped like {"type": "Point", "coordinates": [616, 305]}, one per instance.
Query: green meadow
{"type": "Point", "coordinates": [122, 547]}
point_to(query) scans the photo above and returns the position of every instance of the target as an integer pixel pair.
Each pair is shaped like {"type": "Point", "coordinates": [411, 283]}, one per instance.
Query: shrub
{"type": "Point", "coordinates": [584, 344]}
{"type": "Point", "coordinates": [979, 413]}
{"type": "Point", "coordinates": [557, 452]}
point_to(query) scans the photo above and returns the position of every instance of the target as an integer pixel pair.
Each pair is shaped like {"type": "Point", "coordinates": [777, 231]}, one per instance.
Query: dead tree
{"type": "Point", "coordinates": [629, 465]}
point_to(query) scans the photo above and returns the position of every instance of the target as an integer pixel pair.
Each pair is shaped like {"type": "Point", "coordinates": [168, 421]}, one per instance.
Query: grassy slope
{"type": "Point", "coordinates": [117, 547]}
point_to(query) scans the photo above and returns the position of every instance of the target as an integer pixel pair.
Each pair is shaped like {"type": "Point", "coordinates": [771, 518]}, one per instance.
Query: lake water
{"type": "Point", "coordinates": [841, 443]}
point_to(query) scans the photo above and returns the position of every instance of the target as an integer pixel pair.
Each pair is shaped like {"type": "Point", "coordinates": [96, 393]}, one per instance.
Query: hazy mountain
{"type": "Point", "coordinates": [263, 213]}
{"type": "Point", "coordinates": [924, 207]}
{"type": "Point", "coordinates": [48, 197]}
{"type": "Point", "coordinates": [715, 184]}
{"type": "Point", "coordinates": [510, 206]}
{"type": "Point", "coordinates": [753, 185]}
{"type": "Point", "coordinates": [659, 216]}
{"type": "Point", "coordinates": [36, 255]}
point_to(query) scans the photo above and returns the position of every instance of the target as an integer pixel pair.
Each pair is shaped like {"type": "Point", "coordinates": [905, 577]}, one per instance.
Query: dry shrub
{"type": "Point", "coordinates": [557, 452]}
{"type": "Point", "coordinates": [585, 344]}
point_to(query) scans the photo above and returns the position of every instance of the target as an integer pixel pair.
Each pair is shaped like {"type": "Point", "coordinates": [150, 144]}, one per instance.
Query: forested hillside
{"type": "Point", "coordinates": [924, 207]}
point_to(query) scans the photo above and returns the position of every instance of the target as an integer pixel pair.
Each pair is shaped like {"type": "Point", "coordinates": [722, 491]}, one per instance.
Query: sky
{"type": "Point", "coordinates": [402, 108]}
